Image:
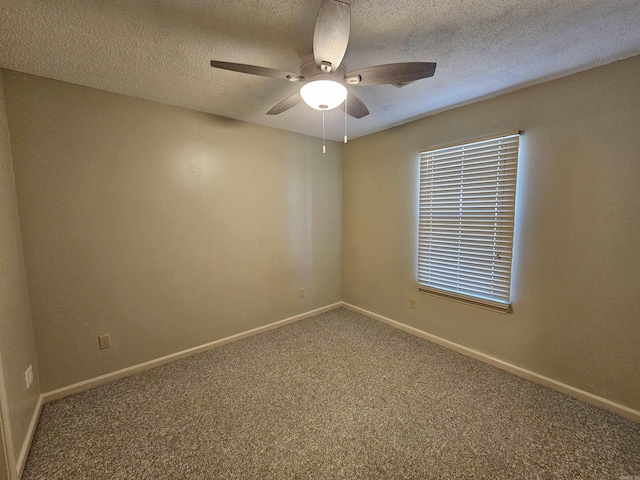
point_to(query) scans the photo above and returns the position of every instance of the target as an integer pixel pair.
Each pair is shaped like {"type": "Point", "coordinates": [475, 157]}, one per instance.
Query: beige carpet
{"type": "Point", "coordinates": [335, 396]}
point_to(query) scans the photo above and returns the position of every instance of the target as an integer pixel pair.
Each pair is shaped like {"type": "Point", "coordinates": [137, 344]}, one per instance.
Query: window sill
{"type": "Point", "coordinates": [468, 300]}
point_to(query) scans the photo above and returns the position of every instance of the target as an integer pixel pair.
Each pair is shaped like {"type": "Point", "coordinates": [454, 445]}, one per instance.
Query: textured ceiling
{"type": "Point", "coordinates": [160, 50]}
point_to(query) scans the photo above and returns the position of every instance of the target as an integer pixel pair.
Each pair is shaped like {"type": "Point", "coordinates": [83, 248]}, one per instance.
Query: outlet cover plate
{"type": "Point", "coordinates": [104, 341]}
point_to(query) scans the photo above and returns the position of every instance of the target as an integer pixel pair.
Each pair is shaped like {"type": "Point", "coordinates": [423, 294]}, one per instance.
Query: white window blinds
{"type": "Point", "coordinates": [467, 207]}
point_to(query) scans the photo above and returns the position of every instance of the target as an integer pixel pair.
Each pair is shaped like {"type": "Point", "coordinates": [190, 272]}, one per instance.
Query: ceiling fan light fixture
{"type": "Point", "coordinates": [323, 94]}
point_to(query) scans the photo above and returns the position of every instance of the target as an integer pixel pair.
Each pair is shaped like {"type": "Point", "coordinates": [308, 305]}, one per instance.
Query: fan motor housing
{"type": "Point", "coordinates": [310, 71]}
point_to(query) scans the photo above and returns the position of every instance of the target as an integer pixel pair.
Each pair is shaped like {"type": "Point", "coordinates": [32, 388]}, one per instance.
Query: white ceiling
{"type": "Point", "coordinates": [160, 50]}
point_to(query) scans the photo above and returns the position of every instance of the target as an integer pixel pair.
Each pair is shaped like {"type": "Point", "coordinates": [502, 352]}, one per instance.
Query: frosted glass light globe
{"type": "Point", "coordinates": [323, 94]}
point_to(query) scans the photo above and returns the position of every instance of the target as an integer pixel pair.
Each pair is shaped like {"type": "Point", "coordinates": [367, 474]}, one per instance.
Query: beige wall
{"type": "Point", "coordinates": [576, 301]}
{"type": "Point", "coordinates": [169, 228]}
{"type": "Point", "coordinates": [17, 349]}
{"type": "Point", "coordinates": [164, 227]}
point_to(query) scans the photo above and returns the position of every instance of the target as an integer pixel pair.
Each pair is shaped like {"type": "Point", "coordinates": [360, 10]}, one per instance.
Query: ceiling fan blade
{"type": "Point", "coordinates": [254, 70]}
{"type": "Point", "coordinates": [355, 107]}
{"type": "Point", "coordinates": [331, 35]}
{"type": "Point", "coordinates": [285, 105]}
{"type": "Point", "coordinates": [394, 73]}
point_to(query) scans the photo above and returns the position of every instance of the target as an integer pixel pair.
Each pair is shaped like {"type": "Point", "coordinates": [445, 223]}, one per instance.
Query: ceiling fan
{"type": "Point", "coordinates": [324, 76]}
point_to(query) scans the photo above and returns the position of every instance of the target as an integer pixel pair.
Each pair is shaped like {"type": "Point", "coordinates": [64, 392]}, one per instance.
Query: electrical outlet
{"type": "Point", "coordinates": [412, 303]}
{"type": "Point", "coordinates": [28, 377]}
{"type": "Point", "coordinates": [104, 341]}
{"type": "Point", "coordinates": [301, 293]}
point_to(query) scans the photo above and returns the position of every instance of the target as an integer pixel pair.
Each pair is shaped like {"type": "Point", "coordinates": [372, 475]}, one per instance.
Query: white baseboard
{"type": "Point", "coordinates": [556, 385]}
{"type": "Point", "coordinates": [125, 372]}
{"type": "Point", "coordinates": [26, 445]}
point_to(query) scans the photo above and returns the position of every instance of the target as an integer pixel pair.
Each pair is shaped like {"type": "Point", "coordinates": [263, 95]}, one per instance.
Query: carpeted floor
{"type": "Point", "coordinates": [336, 396]}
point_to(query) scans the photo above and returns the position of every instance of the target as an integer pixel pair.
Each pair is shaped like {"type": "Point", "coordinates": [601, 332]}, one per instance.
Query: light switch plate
{"type": "Point", "coordinates": [28, 377]}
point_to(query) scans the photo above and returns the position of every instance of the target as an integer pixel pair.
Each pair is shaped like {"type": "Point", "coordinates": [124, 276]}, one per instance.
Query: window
{"type": "Point", "coordinates": [467, 208]}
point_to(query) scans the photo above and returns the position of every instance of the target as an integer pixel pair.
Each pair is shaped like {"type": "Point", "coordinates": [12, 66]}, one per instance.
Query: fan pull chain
{"type": "Point", "coordinates": [345, 118]}
{"type": "Point", "coordinates": [324, 145]}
